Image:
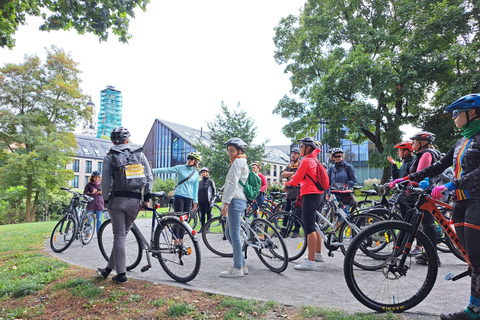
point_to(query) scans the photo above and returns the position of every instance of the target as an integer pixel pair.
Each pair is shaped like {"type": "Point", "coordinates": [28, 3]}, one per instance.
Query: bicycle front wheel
{"type": "Point", "coordinates": [177, 250]}
{"type": "Point", "coordinates": [347, 230]}
{"type": "Point", "coordinates": [214, 238]}
{"type": "Point", "coordinates": [293, 233]}
{"type": "Point", "coordinates": [87, 228]}
{"type": "Point", "coordinates": [269, 245]}
{"type": "Point", "coordinates": [63, 234]}
{"type": "Point", "coordinates": [389, 285]}
{"type": "Point", "coordinates": [133, 247]}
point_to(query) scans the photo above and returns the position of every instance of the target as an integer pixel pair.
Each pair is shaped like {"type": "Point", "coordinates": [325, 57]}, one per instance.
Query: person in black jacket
{"type": "Point", "coordinates": [206, 196]}
{"type": "Point", "coordinates": [405, 153]}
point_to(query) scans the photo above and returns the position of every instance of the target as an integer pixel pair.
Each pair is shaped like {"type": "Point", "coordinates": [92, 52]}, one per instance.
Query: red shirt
{"type": "Point", "coordinates": [309, 164]}
{"type": "Point", "coordinates": [264, 182]}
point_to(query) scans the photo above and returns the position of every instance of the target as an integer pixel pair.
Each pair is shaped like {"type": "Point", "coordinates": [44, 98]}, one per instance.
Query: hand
{"type": "Point", "coordinates": [94, 191]}
{"type": "Point", "coordinates": [144, 205]}
{"type": "Point", "coordinates": [437, 192]}
{"type": "Point", "coordinates": [424, 184]}
{"type": "Point", "coordinates": [327, 196]}
{"type": "Point", "coordinates": [194, 207]}
{"type": "Point", "coordinates": [394, 182]}
{"type": "Point", "coordinates": [224, 209]}
{"type": "Point", "coordinates": [390, 159]}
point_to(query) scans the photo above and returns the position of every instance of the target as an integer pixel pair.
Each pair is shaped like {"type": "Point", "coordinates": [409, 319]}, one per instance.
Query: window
{"type": "Point", "coordinates": [75, 182]}
{"type": "Point", "coordinates": [85, 150]}
{"type": "Point", "coordinates": [100, 167]}
{"type": "Point", "coordinates": [274, 171]}
{"type": "Point", "coordinates": [88, 166]}
{"type": "Point", "coordinates": [86, 179]}
{"type": "Point", "coordinates": [76, 166]}
{"type": "Point", "coordinates": [97, 152]}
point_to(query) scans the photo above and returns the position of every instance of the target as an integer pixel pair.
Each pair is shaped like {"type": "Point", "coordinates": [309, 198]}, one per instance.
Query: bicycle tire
{"type": "Point", "coordinates": [64, 233]}
{"type": "Point", "coordinates": [214, 238]}
{"type": "Point", "coordinates": [375, 288]}
{"type": "Point", "coordinates": [269, 245]}
{"type": "Point", "coordinates": [193, 218]}
{"type": "Point", "coordinates": [87, 228]}
{"type": "Point", "coordinates": [133, 246]}
{"type": "Point", "coordinates": [287, 224]}
{"type": "Point", "coordinates": [363, 220]}
{"type": "Point", "coordinates": [454, 249]}
{"type": "Point", "coordinates": [180, 258]}
{"type": "Point", "coordinates": [279, 207]}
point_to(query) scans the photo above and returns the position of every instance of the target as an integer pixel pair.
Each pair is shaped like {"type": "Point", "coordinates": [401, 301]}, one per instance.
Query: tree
{"type": "Point", "coordinates": [366, 67]}
{"type": "Point", "coordinates": [228, 124]}
{"type": "Point", "coordinates": [96, 17]}
{"type": "Point", "coordinates": [40, 104]}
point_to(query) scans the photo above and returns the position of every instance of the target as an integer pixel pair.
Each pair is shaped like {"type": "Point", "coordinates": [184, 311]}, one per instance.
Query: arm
{"type": "Point", "coordinates": [175, 169]}
{"type": "Point", "coordinates": [195, 187]}
{"type": "Point", "coordinates": [148, 174]}
{"type": "Point", "coordinates": [107, 177]}
{"type": "Point", "coordinates": [352, 175]}
{"type": "Point", "coordinates": [232, 181]}
{"type": "Point", "coordinates": [395, 171]}
{"type": "Point", "coordinates": [299, 175]}
{"type": "Point", "coordinates": [264, 182]}
{"type": "Point", "coordinates": [435, 169]}
{"type": "Point", "coordinates": [214, 191]}
{"type": "Point", "coordinates": [425, 161]}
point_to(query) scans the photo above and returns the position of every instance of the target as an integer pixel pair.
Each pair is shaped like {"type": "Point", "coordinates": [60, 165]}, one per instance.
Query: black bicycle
{"type": "Point", "coordinates": [75, 224]}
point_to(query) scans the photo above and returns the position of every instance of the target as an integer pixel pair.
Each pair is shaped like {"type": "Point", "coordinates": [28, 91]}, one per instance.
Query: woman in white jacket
{"type": "Point", "coordinates": [234, 204]}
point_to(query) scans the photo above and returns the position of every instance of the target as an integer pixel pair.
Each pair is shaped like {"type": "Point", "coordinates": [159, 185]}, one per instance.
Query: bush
{"type": "Point", "coordinates": [164, 185]}
{"type": "Point", "coordinates": [53, 204]}
{"type": "Point", "coordinates": [12, 205]}
{"type": "Point", "coordinates": [275, 188]}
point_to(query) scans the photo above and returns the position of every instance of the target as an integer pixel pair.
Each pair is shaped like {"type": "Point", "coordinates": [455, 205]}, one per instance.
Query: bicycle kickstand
{"type": "Point", "coordinates": [149, 265]}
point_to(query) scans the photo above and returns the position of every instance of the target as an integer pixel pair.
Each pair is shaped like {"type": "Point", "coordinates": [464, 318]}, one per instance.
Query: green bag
{"type": "Point", "coordinates": [252, 186]}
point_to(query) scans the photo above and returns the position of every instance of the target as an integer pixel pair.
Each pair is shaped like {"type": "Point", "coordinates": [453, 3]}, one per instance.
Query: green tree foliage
{"type": "Point", "coordinates": [164, 185]}
{"type": "Point", "coordinates": [97, 17]}
{"type": "Point", "coordinates": [228, 124]}
{"type": "Point", "coordinates": [368, 67]}
{"type": "Point", "coordinates": [40, 105]}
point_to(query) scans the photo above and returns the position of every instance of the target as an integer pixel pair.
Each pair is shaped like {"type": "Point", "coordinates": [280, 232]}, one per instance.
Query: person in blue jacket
{"type": "Point", "coordinates": [342, 176]}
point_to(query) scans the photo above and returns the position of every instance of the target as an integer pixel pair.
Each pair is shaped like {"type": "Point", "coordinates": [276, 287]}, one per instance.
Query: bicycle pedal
{"type": "Point", "coordinates": [145, 268]}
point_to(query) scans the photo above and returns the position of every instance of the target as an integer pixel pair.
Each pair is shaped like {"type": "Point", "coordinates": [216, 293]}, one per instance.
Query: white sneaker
{"type": "Point", "coordinates": [306, 265]}
{"type": "Point", "coordinates": [245, 269]}
{"type": "Point", "coordinates": [232, 273]}
{"type": "Point", "coordinates": [319, 257]}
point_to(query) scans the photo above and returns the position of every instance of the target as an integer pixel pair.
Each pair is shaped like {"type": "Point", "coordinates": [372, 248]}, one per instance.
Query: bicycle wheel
{"type": "Point", "coordinates": [346, 233]}
{"type": "Point", "coordinates": [214, 238]}
{"type": "Point", "coordinates": [291, 229]}
{"type": "Point", "coordinates": [133, 247]}
{"type": "Point", "coordinates": [179, 257]}
{"type": "Point", "coordinates": [193, 218]}
{"type": "Point", "coordinates": [454, 249]}
{"type": "Point", "coordinates": [279, 207]}
{"type": "Point", "coordinates": [392, 287]}
{"type": "Point", "coordinates": [269, 245]}
{"type": "Point", "coordinates": [63, 234]}
{"type": "Point", "coordinates": [87, 228]}
{"type": "Point", "coordinates": [216, 211]}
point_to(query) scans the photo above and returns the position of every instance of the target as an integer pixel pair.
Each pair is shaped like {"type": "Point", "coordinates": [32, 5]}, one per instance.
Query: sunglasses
{"type": "Point", "coordinates": [456, 113]}
{"type": "Point", "coordinates": [337, 156]}
{"type": "Point", "coordinates": [190, 158]}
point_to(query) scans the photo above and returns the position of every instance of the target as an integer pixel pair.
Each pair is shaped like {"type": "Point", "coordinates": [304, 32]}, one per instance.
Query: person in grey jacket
{"type": "Point", "coordinates": [123, 204]}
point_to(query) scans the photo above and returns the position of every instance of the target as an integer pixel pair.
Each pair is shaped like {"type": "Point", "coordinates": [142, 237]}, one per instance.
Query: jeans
{"type": "Point", "coordinates": [232, 230]}
{"type": "Point", "coordinates": [99, 216]}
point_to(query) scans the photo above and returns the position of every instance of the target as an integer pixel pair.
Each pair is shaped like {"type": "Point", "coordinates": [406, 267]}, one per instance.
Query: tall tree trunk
{"type": "Point", "coordinates": [29, 200]}
{"type": "Point", "coordinates": [35, 204]}
{"type": "Point", "coordinates": [386, 175]}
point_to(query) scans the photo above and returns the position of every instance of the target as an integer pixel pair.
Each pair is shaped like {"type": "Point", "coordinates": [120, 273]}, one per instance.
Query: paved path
{"type": "Point", "coordinates": [326, 286]}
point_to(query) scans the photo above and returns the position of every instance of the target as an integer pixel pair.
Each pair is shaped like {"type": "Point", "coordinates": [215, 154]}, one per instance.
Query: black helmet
{"type": "Point", "coordinates": [237, 143]}
{"type": "Point", "coordinates": [424, 135]}
{"type": "Point", "coordinates": [336, 150]}
{"type": "Point", "coordinates": [119, 135]}
{"type": "Point", "coordinates": [96, 174]}
{"type": "Point", "coordinates": [295, 150]}
{"type": "Point", "coordinates": [309, 141]}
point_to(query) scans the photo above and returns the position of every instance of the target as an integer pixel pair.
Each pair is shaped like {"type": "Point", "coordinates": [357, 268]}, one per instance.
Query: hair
{"type": "Point", "coordinates": [477, 111]}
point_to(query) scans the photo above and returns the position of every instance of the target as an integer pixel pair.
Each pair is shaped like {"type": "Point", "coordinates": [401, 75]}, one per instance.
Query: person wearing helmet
{"type": "Point", "coordinates": [206, 196]}
{"type": "Point", "coordinates": [94, 189]}
{"type": "Point", "coordinates": [124, 201]}
{"type": "Point", "coordinates": [292, 193]}
{"type": "Point", "coordinates": [306, 176]}
{"type": "Point", "coordinates": [465, 186]}
{"type": "Point", "coordinates": [234, 204]}
{"type": "Point", "coordinates": [261, 197]}
{"type": "Point", "coordinates": [405, 153]}
{"type": "Point", "coordinates": [342, 176]}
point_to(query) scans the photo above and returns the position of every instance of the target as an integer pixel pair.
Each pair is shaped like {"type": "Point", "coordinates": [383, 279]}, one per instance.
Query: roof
{"type": "Point", "coordinates": [94, 148]}
{"type": "Point", "coordinates": [274, 155]}
{"type": "Point", "coordinates": [284, 148]}
{"type": "Point", "coordinates": [188, 134]}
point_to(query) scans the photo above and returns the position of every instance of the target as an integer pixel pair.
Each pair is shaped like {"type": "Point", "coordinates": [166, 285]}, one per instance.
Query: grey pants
{"type": "Point", "coordinates": [122, 212]}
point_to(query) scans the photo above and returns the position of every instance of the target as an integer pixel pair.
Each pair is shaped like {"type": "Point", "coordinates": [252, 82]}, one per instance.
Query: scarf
{"type": "Point", "coordinates": [96, 184]}
{"type": "Point", "coordinates": [238, 157]}
{"type": "Point", "coordinates": [294, 165]}
{"type": "Point", "coordinates": [471, 130]}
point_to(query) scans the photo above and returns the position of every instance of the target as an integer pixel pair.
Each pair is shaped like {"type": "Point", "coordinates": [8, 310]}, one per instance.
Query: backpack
{"type": "Point", "coordinates": [130, 169]}
{"type": "Point", "coordinates": [321, 176]}
{"type": "Point", "coordinates": [252, 186]}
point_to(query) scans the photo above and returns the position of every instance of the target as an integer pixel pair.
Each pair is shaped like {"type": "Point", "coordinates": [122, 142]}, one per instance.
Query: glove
{"type": "Point", "coordinates": [437, 192]}
{"type": "Point", "coordinates": [394, 182]}
{"type": "Point", "coordinates": [424, 184]}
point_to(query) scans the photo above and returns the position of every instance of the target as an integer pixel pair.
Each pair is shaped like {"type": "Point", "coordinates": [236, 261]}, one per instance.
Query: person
{"type": "Point", "coordinates": [234, 203]}
{"type": "Point", "coordinates": [342, 176]}
{"type": "Point", "coordinates": [261, 197]}
{"type": "Point", "coordinates": [306, 175]}
{"type": "Point", "coordinates": [97, 205]}
{"type": "Point", "coordinates": [425, 155]}
{"type": "Point", "coordinates": [292, 193]}
{"type": "Point", "coordinates": [185, 196]}
{"type": "Point", "coordinates": [206, 196]}
{"type": "Point", "coordinates": [465, 158]}
{"type": "Point", "coordinates": [124, 203]}
{"type": "Point", "coordinates": [405, 153]}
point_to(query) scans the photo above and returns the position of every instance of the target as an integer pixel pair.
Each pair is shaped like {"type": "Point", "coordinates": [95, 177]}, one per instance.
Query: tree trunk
{"type": "Point", "coordinates": [29, 201]}
{"type": "Point", "coordinates": [35, 204]}
{"type": "Point", "coordinates": [386, 175]}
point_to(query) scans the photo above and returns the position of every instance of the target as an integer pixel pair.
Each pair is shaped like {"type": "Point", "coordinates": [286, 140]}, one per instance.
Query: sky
{"type": "Point", "coordinates": [184, 59]}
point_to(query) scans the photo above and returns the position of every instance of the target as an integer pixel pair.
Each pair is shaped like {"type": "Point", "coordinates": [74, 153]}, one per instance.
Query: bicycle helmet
{"type": "Point", "coordinates": [295, 150]}
{"type": "Point", "coordinates": [255, 164]}
{"type": "Point", "coordinates": [404, 145]}
{"type": "Point", "coordinates": [119, 135]}
{"type": "Point", "coordinates": [193, 155]}
{"type": "Point", "coordinates": [238, 143]}
{"type": "Point", "coordinates": [309, 141]}
{"type": "Point", "coordinates": [204, 169]}
{"type": "Point", "coordinates": [96, 174]}
{"type": "Point", "coordinates": [336, 150]}
{"type": "Point", "coordinates": [424, 135]}
{"type": "Point", "coordinates": [465, 103]}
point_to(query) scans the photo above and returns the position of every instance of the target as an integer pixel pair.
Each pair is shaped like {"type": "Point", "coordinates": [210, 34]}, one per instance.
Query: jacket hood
{"type": "Point", "coordinates": [120, 147]}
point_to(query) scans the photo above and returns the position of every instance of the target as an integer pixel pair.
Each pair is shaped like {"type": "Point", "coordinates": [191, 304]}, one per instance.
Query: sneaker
{"type": "Point", "coordinates": [319, 257]}
{"type": "Point", "coordinates": [120, 278]}
{"type": "Point", "coordinates": [295, 235]}
{"type": "Point", "coordinates": [245, 269]}
{"type": "Point", "coordinates": [232, 273]}
{"type": "Point", "coordinates": [306, 265]}
{"type": "Point", "coordinates": [416, 252]}
{"type": "Point", "coordinates": [462, 315]}
{"type": "Point", "coordinates": [103, 273]}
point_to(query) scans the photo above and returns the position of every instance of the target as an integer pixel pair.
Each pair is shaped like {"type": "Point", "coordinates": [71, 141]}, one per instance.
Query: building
{"type": "Point", "coordinates": [277, 159]}
{"type": "Point", "coordinates": [89, 128]}
{"type": "Point", "coordinates": [110, 115]}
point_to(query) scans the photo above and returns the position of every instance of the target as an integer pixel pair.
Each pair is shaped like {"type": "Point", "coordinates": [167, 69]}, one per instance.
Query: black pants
{"type": "Point", "coordinates": [181, 205]}
{"type": "Point", "coordinates": [205, 210]}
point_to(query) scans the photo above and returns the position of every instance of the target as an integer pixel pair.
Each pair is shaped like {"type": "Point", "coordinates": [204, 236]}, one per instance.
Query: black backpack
{"type": "Point", "coordinates": [129, 166]}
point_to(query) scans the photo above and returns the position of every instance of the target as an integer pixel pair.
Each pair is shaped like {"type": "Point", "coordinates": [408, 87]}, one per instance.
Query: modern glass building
{"type": "Point", "coordinates": [110, 115]}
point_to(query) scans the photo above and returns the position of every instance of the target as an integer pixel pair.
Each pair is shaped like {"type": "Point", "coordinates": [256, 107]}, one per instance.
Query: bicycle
{"type": "Point", "coordinates": [384, 285]}
{"type": "Point", "coordinates": [177, 252]}
{"type": "Point", "coordinates": [75, 224]}
{"type": "Point", "coordinates": [258, 234]}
